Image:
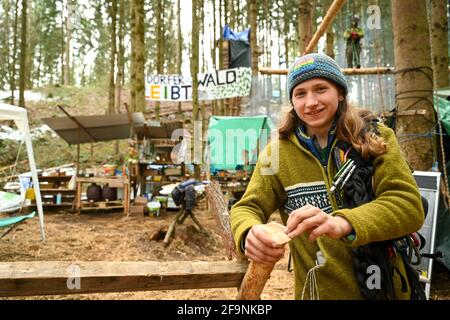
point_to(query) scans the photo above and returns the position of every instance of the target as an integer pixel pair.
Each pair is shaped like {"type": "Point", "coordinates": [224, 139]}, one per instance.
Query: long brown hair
{"type": "Point", "coordinates": [352, 127]}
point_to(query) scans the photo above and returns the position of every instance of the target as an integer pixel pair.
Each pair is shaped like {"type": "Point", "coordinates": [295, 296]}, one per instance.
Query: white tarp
{"type": "Point", "coordinates": [20, 117]}
{"type": "Point", "coordinates": [9, 201]}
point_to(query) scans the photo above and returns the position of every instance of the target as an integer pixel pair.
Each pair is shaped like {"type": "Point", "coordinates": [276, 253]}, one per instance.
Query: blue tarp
{"type": "Point", "coordinates": [229, 34]}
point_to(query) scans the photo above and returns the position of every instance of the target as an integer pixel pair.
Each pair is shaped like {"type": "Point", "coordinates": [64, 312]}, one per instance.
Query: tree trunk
{"type": "Point", "coordinates": [194, 74]}
{"type": "Point", "coordinates": [120, 56]}
{"type": "Point", "coordinates": [213, 51]}
{"type": "Point", "coordinates": [133, 55]}
{"type": "Point", "coordinates": [286, 25]}
{"type": "Point", "coordinates": [160, 47]}
{"type": "Point", "coordinates": [305, 16]}
{"type": "Point", "coordinates": [62, 41]}
{"type": "Point", "coordinates": [12, 83]}
{"type": "Point", "coordinates": [221, 101]}
{"type": "Point", "coordinates": [120, 62]}
{"type": "Point", "coordinates": [67, 51]}
{"type": "Point", "coordinates": [179, 49]}
{"type": "Point", "coordinates": [112, 57]}
{"type": "Point", "coordinates": [23, 54]}
{"type": "Point", "coordinates": [31, 47]}
{"type": "Point", "coordinates": [413, 82]}
{"type": "Point", "coordinates": [439, 42]}
{"type": "Point", "coordinates": [6, 53]}
{"type": "Point", "coordinates": [254, 49]}
{"type": "Point", "coordinates": [253, 36]}
{"type": "Point", "coordinates": [140, 56]}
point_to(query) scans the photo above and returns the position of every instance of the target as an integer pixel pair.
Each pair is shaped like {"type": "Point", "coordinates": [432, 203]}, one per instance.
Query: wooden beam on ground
{"type": "Point", "coordinates": [326, 22]}
{"type": "Point", "coordinates": [346, 71]}
{"type": "Point", "coordinates": [64, 277]}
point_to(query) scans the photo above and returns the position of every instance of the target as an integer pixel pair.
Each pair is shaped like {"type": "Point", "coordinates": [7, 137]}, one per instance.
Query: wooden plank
{"type": "Point", "coordinates": [346, 71]}
{"type": "Point", "coordinates": [65, 277]}
{"type": "Point", "coordinates": [56, 191]}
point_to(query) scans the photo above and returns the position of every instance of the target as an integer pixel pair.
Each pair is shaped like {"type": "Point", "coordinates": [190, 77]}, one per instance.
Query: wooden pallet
{"type": "Point", "coordinates": [116, 204]}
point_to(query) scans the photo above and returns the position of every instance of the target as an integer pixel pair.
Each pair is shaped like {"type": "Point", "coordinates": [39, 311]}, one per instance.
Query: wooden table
{"type": "Point", "coordinates": [113, 182]}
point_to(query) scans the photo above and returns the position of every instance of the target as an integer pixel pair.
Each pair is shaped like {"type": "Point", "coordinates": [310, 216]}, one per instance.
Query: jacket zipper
{"type": "Point", "coordinates": [325, 169]}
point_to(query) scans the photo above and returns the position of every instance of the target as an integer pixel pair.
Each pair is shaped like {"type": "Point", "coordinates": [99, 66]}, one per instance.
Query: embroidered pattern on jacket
{"type": "Point", "coordinates": [313, 193]}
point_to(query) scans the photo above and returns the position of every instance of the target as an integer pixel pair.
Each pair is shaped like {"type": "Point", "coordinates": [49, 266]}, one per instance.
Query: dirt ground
{"type": "Point", "coordinates": [110, 236]}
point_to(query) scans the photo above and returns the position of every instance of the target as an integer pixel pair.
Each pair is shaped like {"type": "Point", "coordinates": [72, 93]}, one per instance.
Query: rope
{"type": "Point", "coordinates": [313, 288]}
{"type": "Point", "coordinates": [13, 169]}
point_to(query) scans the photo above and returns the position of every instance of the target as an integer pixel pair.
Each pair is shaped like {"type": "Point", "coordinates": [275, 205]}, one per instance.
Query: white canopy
{"type": "Point", "coordinates": [20, 117]}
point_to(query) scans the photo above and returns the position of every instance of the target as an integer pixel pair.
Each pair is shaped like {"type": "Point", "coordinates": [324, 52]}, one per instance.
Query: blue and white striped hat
{"type": "Point", "coordinates": [315, 65]}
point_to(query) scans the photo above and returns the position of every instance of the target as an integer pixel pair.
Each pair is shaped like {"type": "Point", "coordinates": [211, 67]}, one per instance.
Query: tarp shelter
{"type": "Point", "coordinates": [20, 117]}
{"type": "Point", "coordinates": [95, 128]}
{"type": "Point", "coordinates": [82, 129]}
{"type": "Point", "coordinates": [230, 138]}
{"type": "Point", "coordinates": [157, 129]}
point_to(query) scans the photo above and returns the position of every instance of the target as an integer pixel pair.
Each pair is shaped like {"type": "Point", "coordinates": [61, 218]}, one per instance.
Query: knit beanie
{"type": "Point", "coordinates": [315, 65]}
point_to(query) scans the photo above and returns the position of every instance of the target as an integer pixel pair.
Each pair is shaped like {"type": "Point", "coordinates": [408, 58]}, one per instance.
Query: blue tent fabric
{"type": "Point", "coordinates": [6, 222]}
{"type": "Point", "coordinates": [229, 34]}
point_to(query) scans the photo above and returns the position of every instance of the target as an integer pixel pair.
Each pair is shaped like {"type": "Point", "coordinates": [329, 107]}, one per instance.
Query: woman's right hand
{"type": "Point", "coordinates": [259, 247]}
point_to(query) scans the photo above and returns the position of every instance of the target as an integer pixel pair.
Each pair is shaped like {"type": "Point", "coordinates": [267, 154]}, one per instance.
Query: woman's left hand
{"type": "Point", "coordinates": [317, 223]}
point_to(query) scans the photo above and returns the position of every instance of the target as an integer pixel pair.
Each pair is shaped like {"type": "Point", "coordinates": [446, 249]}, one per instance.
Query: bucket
{"type": "Point", "coordinates": [153, 208]}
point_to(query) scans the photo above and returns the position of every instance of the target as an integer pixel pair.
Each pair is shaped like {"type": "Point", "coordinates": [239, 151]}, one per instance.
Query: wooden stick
{"type": "Point", "coordinates": [258, 273]}
{"type": "Point", "coordinates": [64, 277]}
{"type": "Point", "coordinates": [12, 165]}
{"type": "Point", "coordinates": [327, 20]}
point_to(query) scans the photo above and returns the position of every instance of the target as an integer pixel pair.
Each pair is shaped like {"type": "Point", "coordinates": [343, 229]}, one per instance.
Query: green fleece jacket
{"type": "Point", "coordinates": [293, 177]}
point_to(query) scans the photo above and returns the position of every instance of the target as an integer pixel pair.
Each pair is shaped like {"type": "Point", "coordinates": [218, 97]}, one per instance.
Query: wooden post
{"type": "Point", "coordinates": [327, 20]}
{"type": "Point", "coordinates": [346, 71]}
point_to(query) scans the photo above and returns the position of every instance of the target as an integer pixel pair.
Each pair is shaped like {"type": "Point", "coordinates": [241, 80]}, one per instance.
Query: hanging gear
{"type": "Point", "coordinates": [357, 191]}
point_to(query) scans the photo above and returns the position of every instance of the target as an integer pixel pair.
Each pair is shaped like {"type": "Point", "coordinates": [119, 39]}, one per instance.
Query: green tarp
{"type": "Point", "coordinates": [6, 222]}
{"type": "Point", "coordinates": [444, 111]}
{"type": "Point", "coordinates": [232, 139]}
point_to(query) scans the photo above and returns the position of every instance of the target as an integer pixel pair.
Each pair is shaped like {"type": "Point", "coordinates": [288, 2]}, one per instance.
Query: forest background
{"type": "Point", "coordinates": [93, 56]}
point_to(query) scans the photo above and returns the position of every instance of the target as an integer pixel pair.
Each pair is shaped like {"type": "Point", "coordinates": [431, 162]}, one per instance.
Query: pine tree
{"type": "Point", "coordinates": [413, 82]}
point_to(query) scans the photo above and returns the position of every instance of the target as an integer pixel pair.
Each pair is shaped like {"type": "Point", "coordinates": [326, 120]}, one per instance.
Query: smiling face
{"type": "Point", "coordinates": [316, 101]}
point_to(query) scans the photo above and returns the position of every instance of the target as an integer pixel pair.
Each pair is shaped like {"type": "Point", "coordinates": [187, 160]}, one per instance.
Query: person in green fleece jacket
{"type": "Point", "coordinates": [294, 175]}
